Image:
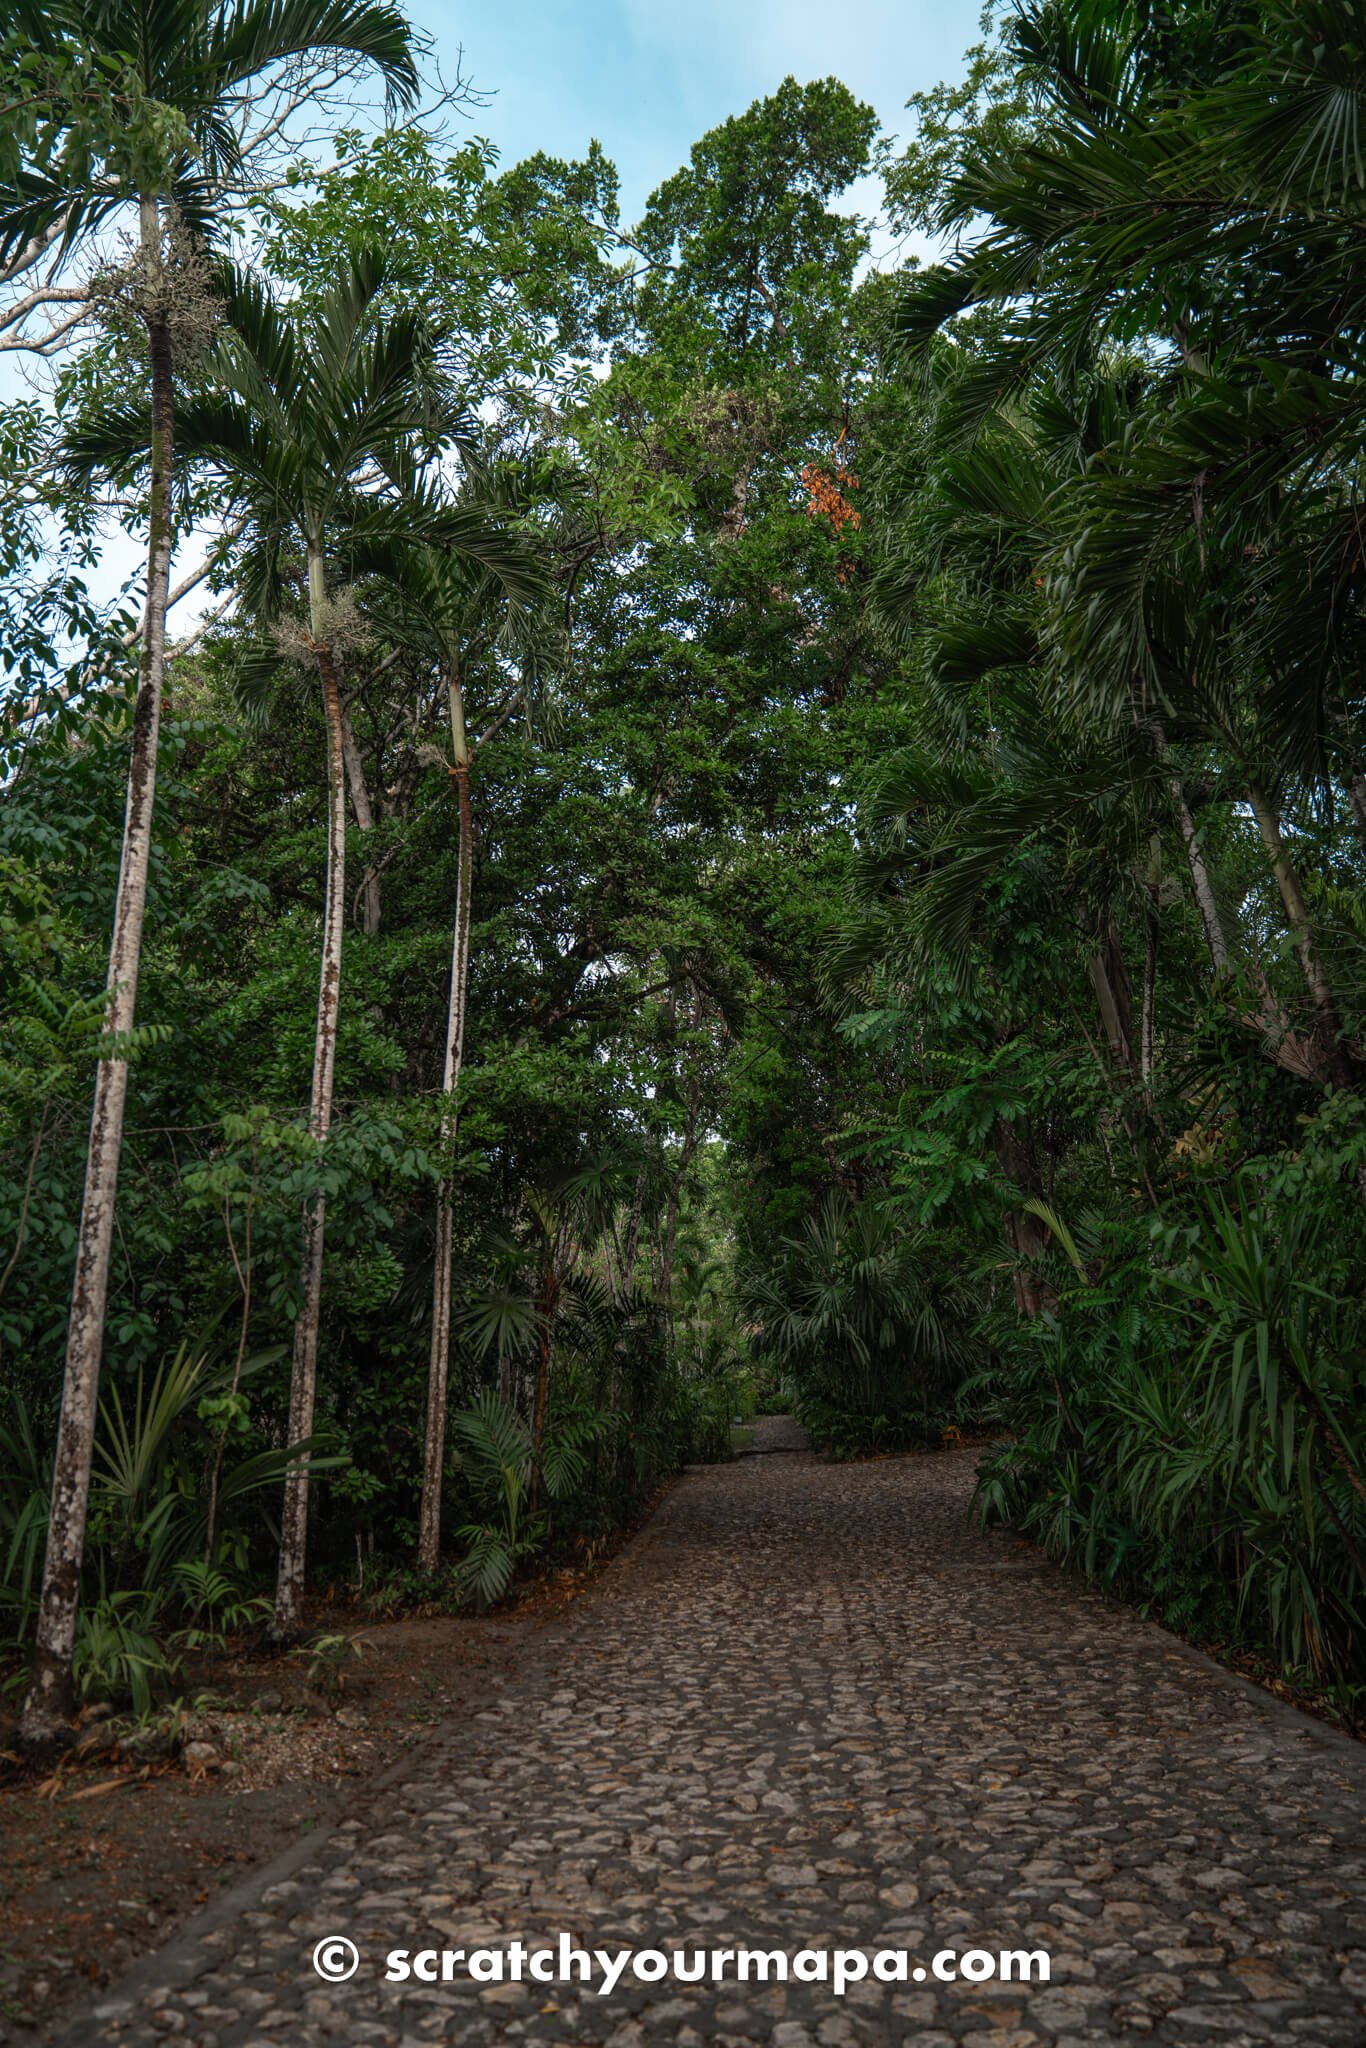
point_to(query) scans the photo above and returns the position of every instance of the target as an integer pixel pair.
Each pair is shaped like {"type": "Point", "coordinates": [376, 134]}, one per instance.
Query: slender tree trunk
{"type": "Point", "coordinates": [1026, 1234]}
{"type": "Point", "coordinates": [242, 1268]}
{"type": "Point", "coordinates": [1353, 776]}
{"type": "Point", "coordinates": [666, 1273]}
{"type": "Point", "coordinates": [631, 1246]}
{"type": "Point", "coordinates": [429, 1527]}
{"type": "Point", "coordinates": [304, 1372]}
{"type": "Point", "coordinates": [48, 1706]}
{"type": "Point", "coordinates": [1145, 1043]}
{"type": "Point", "coordinates": [1287, 1047]}
{"type": "Point", "coordinates": [1208, 909]}
{"type": "Point", "coordinates": [1108, 1002]}
{"type": "Point", "coordinates": [365, 821]}
{"type": "Point", "coordinates": [1356, 796]}
{"type": "Point", "coordinates": [1329, 1024]}
{"type": "Point", "coordinates": [545, 1353]}
{"type": "Point", "coordinates": [1152, 929]}
{"type": "Point", "coordinates": [1210, 920]}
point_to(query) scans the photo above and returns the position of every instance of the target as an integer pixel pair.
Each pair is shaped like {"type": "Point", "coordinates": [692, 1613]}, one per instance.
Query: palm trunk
{"type": "Point", "coordinates": [545, 1353]}
{"type": "Point", "coordinates": [666, 1275]}
{"type": "Point", "coordinates": [48, 1706]}
{"type": "Point", "coordinates": [1337, 1061]}
{"type": "Point", "coordinates": [1205, 904]}
{"type": "Point", "coordinates": [304, 1370]}
{"type": "Point", "coordinates": [1146, 1025]}
{"type": "Point", "coordinates": [365, 822]}
{"type": "Point", "coordinates": [429, 1527]}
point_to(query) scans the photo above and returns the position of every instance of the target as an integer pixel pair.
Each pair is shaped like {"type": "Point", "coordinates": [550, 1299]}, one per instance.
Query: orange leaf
{"type": "Point", "coordinates": [94, 1791]}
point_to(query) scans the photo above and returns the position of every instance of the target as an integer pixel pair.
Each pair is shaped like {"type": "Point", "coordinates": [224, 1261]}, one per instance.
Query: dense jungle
{"type": "Point", "coordinates": [750, 809]}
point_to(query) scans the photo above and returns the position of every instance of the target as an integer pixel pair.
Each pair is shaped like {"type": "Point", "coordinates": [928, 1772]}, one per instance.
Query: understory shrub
{"type": "Point", "coordinates": [1188, 1423]}
{"type": "Point", "coordinates": [863, 1314]}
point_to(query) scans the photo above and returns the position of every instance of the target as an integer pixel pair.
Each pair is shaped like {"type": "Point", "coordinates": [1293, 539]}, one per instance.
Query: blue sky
{"type": "Point", "coordinates": [648, 77]}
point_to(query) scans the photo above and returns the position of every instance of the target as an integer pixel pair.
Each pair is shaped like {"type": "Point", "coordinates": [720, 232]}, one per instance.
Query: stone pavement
{"type": "Point", "coordinates": [777, 1433]}
{"type": "Point", "coordinates": [809, 1707]}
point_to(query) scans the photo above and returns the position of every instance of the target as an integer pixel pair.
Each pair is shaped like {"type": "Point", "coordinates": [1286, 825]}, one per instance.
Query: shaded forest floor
{"type": "Point", "coordinates": [103, 1863]}
{"type": "Point", "coordinates": [104, 1860]}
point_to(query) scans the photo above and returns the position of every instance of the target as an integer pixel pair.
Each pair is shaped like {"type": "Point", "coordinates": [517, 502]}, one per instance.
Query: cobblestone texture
{"type": "Point", "coordinates": [810, 1707]}
{"type": "Point", "coordinates": [778, 1433]}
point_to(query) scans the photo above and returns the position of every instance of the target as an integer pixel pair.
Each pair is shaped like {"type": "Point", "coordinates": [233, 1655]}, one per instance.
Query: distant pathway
{"type": "Point", "coordinates": [777, 1433]}
{"type": "Point", "coordinates": [809, 1707]}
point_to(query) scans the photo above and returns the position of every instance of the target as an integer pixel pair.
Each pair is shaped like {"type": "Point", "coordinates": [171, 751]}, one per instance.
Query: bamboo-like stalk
{"type": "Point", "coordinates": [304, 1369]}
{"type": "Point", "coordinates": [48, 1705]}
{"type": "Point", "coordinates": [438, 1374]}
{"type": "Point", "coordinates": [1326, 1014]}
{"type": "Point", "coordinates": [365, 823]}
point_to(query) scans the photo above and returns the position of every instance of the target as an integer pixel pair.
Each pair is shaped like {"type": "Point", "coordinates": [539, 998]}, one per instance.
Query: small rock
{"type": "Point", "coordinates": [350, 1717]}
{"type": "Point", "coordinates": [269, 1702]}
{"type": "Point", "coordinates": [146, 1745]}
{"type": "Point", "coordinates": [901, 1895]}
{"type": "Point", "coordinates": [201, 1756]}
{"type": "Point", "coordinates": [98, 1710]}
{"type": "Point", "coordinates": [99, 1742]}
{"type": "Point", "coordinates": [231, 1768]}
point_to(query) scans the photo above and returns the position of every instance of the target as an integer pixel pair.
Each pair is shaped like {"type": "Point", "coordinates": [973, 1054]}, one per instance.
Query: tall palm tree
{"type": "Point", "coordinates": [315, 424]}
{"type": "Point", "coordinates": [451, 612]}
{"type": "Point", "coordinates": [438, 595]}
{"type": "Point", "coordinates": [162, 140]}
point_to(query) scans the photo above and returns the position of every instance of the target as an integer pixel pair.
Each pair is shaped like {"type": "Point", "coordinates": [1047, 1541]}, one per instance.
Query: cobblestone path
{"type": "Point", "coordinates": [809, 1708]}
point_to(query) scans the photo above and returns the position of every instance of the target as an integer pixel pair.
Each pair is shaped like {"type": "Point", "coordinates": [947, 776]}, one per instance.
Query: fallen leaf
{"type": "Point", "coordinates": [94, 1791]}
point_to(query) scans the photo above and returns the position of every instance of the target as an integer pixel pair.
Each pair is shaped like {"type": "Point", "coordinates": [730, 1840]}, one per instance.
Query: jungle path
{"type": "Point", "coordinates": [809, 1707]}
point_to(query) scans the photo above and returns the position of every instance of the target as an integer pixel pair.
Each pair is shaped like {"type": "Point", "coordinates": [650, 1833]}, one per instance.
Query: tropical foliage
{"type": "Point", "coordinates": [734, 823]}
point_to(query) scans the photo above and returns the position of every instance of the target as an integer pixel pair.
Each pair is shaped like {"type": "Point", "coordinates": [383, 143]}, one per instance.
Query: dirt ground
{"type": "Point", "coordinates": [99, 1862]}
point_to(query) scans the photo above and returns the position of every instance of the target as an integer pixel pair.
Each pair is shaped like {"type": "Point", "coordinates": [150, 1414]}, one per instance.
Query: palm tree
{"type": "Point", "coordinates": [845, 1303]}
{"type": "Point", "coordinates": [450, 612]}
{"type": "Point", "coordinates": [309, 420]}
{"type": "Point", "coordinates": [438, 595]}
{"type": "Point", "coordinates": [162, 140]}
{"type": "Point", "coordinates": [318, 422]}
{"type": "Point", "coordinates": [1205, 566]}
